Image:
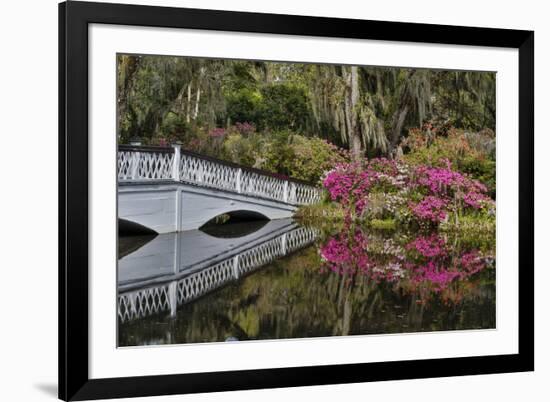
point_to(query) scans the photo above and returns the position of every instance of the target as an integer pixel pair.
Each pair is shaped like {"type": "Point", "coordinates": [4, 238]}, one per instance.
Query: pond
{"type": "Point", "coordinates": [279, 279]}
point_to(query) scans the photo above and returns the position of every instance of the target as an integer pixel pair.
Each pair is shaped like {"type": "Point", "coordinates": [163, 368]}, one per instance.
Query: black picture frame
{"type": "Point", "coordinates": [74, 18]}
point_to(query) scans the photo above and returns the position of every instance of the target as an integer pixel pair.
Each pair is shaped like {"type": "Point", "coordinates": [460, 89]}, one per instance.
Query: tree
{"type": "Point", "coordinates": [367, 109]}
{"type": "Point", "coordinates": [467, 99]}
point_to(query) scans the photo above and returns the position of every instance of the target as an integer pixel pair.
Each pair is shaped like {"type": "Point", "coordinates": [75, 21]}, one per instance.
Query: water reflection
{"type": "Point", "coordinates": [425, 263]}
{"type": "Point", "coordinates": [176, 268]}
{"type": "Point", "coordinates": [288, 281]}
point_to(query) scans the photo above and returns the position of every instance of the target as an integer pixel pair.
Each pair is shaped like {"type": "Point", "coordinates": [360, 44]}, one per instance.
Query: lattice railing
{"type": "Point", "coordinates": [143, 303]}
{"type": "Point", "coordinates": [167, 296]}
{"type": "Point", "coordinates": [139, 164]}
{"type": "Point", "coordinates": [145, 164]}
{"type": "Point", "coordinates": [194, 286]}
{"type": "Point", "coordinates": [207, 173]}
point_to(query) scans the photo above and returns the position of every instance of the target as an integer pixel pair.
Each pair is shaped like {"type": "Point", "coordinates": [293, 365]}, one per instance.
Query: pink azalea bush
{"type": "Point", "coordinates": [429, 194]}
{"type": "Point", "coordinates": [217, 132]}
{"type": "Point", "coordinates": [349, 185]}
{"type": "Point", "coordinates": [430, 208]}
{"type": "Point", "coordinates": [446, 189]}
{"type": "Point", "coordinates": [245, 128]}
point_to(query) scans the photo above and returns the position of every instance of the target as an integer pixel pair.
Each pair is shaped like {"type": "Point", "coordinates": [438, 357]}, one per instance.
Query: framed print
{"type": "Point", "coordinates": [257, 200]}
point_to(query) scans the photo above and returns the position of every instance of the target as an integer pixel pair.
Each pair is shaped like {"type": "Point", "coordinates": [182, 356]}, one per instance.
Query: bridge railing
{"type": "Point", "coordinates": [141, 164]}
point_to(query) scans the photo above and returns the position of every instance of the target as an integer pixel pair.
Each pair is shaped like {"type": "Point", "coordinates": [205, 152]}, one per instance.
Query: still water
{"type": "Point", "coordinates": [279, 279]}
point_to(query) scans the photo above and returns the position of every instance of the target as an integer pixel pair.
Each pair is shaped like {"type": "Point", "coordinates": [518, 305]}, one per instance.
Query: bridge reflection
{"type": "Point", "coordinates": [175, 268]}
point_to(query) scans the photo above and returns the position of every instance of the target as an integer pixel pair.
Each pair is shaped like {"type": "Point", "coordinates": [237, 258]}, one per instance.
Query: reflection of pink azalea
{"type": "Point", "coordinates": [425, 261]}
{"type": "Point", "coordinates": [346, 256]}
{"type": "Point", "coordinates": [430, 246]}
{"type": "Point", "coordinates": [435, 275]}
{"type": "Point", "coordinates": [472, 262]}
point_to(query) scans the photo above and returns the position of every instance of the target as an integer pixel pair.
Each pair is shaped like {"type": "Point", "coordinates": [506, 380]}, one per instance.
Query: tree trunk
{"type": "Point", "coordinates": [197, 101]}
{"type": "Point", "coordinates": [397, 125]}
{"type": "Point", "coordinates": [188, 114]}
{"type": "Point", "coordinates": [198, 96]}
{"type": "Point", "coordinates": [350, 104]}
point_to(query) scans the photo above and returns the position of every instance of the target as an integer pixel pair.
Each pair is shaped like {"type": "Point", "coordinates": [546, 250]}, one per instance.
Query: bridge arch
{"type": "Point", "coordinates": [236, 216]}
{"type": "Point", "coordinates": [172, 207]}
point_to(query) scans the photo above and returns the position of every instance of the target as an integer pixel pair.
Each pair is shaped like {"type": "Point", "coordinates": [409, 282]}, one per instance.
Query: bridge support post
{"type": "Point", "coordinates": [285, 191]}
{"type": "Point", "coordinates": [133, 304]}
{"type": "Point", "coordinates": [283, 244]}
{"type": "Point", "coordinates": [236, 267]}
{"type": "Point", "coordinates": [176, 161]}
{"type": "Point", "coordinates": [136, 156]}
{"type": "Point", "coordinates": [292, 195]}
{"type": "Point", "coordinates": [173, 298]}
{"type": "Point", "coordinates": [238, 181]}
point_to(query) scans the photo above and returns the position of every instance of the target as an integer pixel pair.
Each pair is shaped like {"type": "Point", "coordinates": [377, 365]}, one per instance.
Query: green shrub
{"type": "Point", "coordinates": [283, 152]}
{"type": "Point", "coordinates": [466, 152]}
{"type": "Point", "coordinates": [243, 105]}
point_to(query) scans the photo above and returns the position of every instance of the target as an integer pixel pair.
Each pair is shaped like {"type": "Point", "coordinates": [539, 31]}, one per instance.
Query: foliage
{"type": "Point", "coordinates": [283, 152]}
{"type": "Point", "coordinates": [320, 213]}
{"type": "Point", "coordinates": [467, 153]}
{"type": "Point", "coordinates": [284, 107]}
{"type": "Point", "coordinates": [465, 99]}
{"type": "Point", "coordinates": [244, 104]}
{"type": "Point", "coordinates": [365, 109]}
{"type": "Point", "coordinates": [312, 157]}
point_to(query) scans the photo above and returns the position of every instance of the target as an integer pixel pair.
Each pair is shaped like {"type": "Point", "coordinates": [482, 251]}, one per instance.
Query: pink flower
{"type": "Point", "coordinates": [346, 253]}
{"type": "Point", "coordinates": [245, 128]}
{"type": "Point", "coordinates": [349, 184]}
{"type": "Point", "coordinates": [430, 208]}
{"type": "Point", "coordinates": [432, 246]}
{"type": "Point", "coordinates": [217, 132]}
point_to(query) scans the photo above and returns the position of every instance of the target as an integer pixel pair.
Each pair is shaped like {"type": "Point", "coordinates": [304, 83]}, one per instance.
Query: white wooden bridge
{"type": "Point", "coordinates": [166, 189]}
{"type": "Point", "coordinates": [176, 268]}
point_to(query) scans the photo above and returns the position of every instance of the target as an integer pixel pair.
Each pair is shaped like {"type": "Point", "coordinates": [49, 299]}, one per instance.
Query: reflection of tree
{"type": "Point", "coordinates": [291, 298]}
